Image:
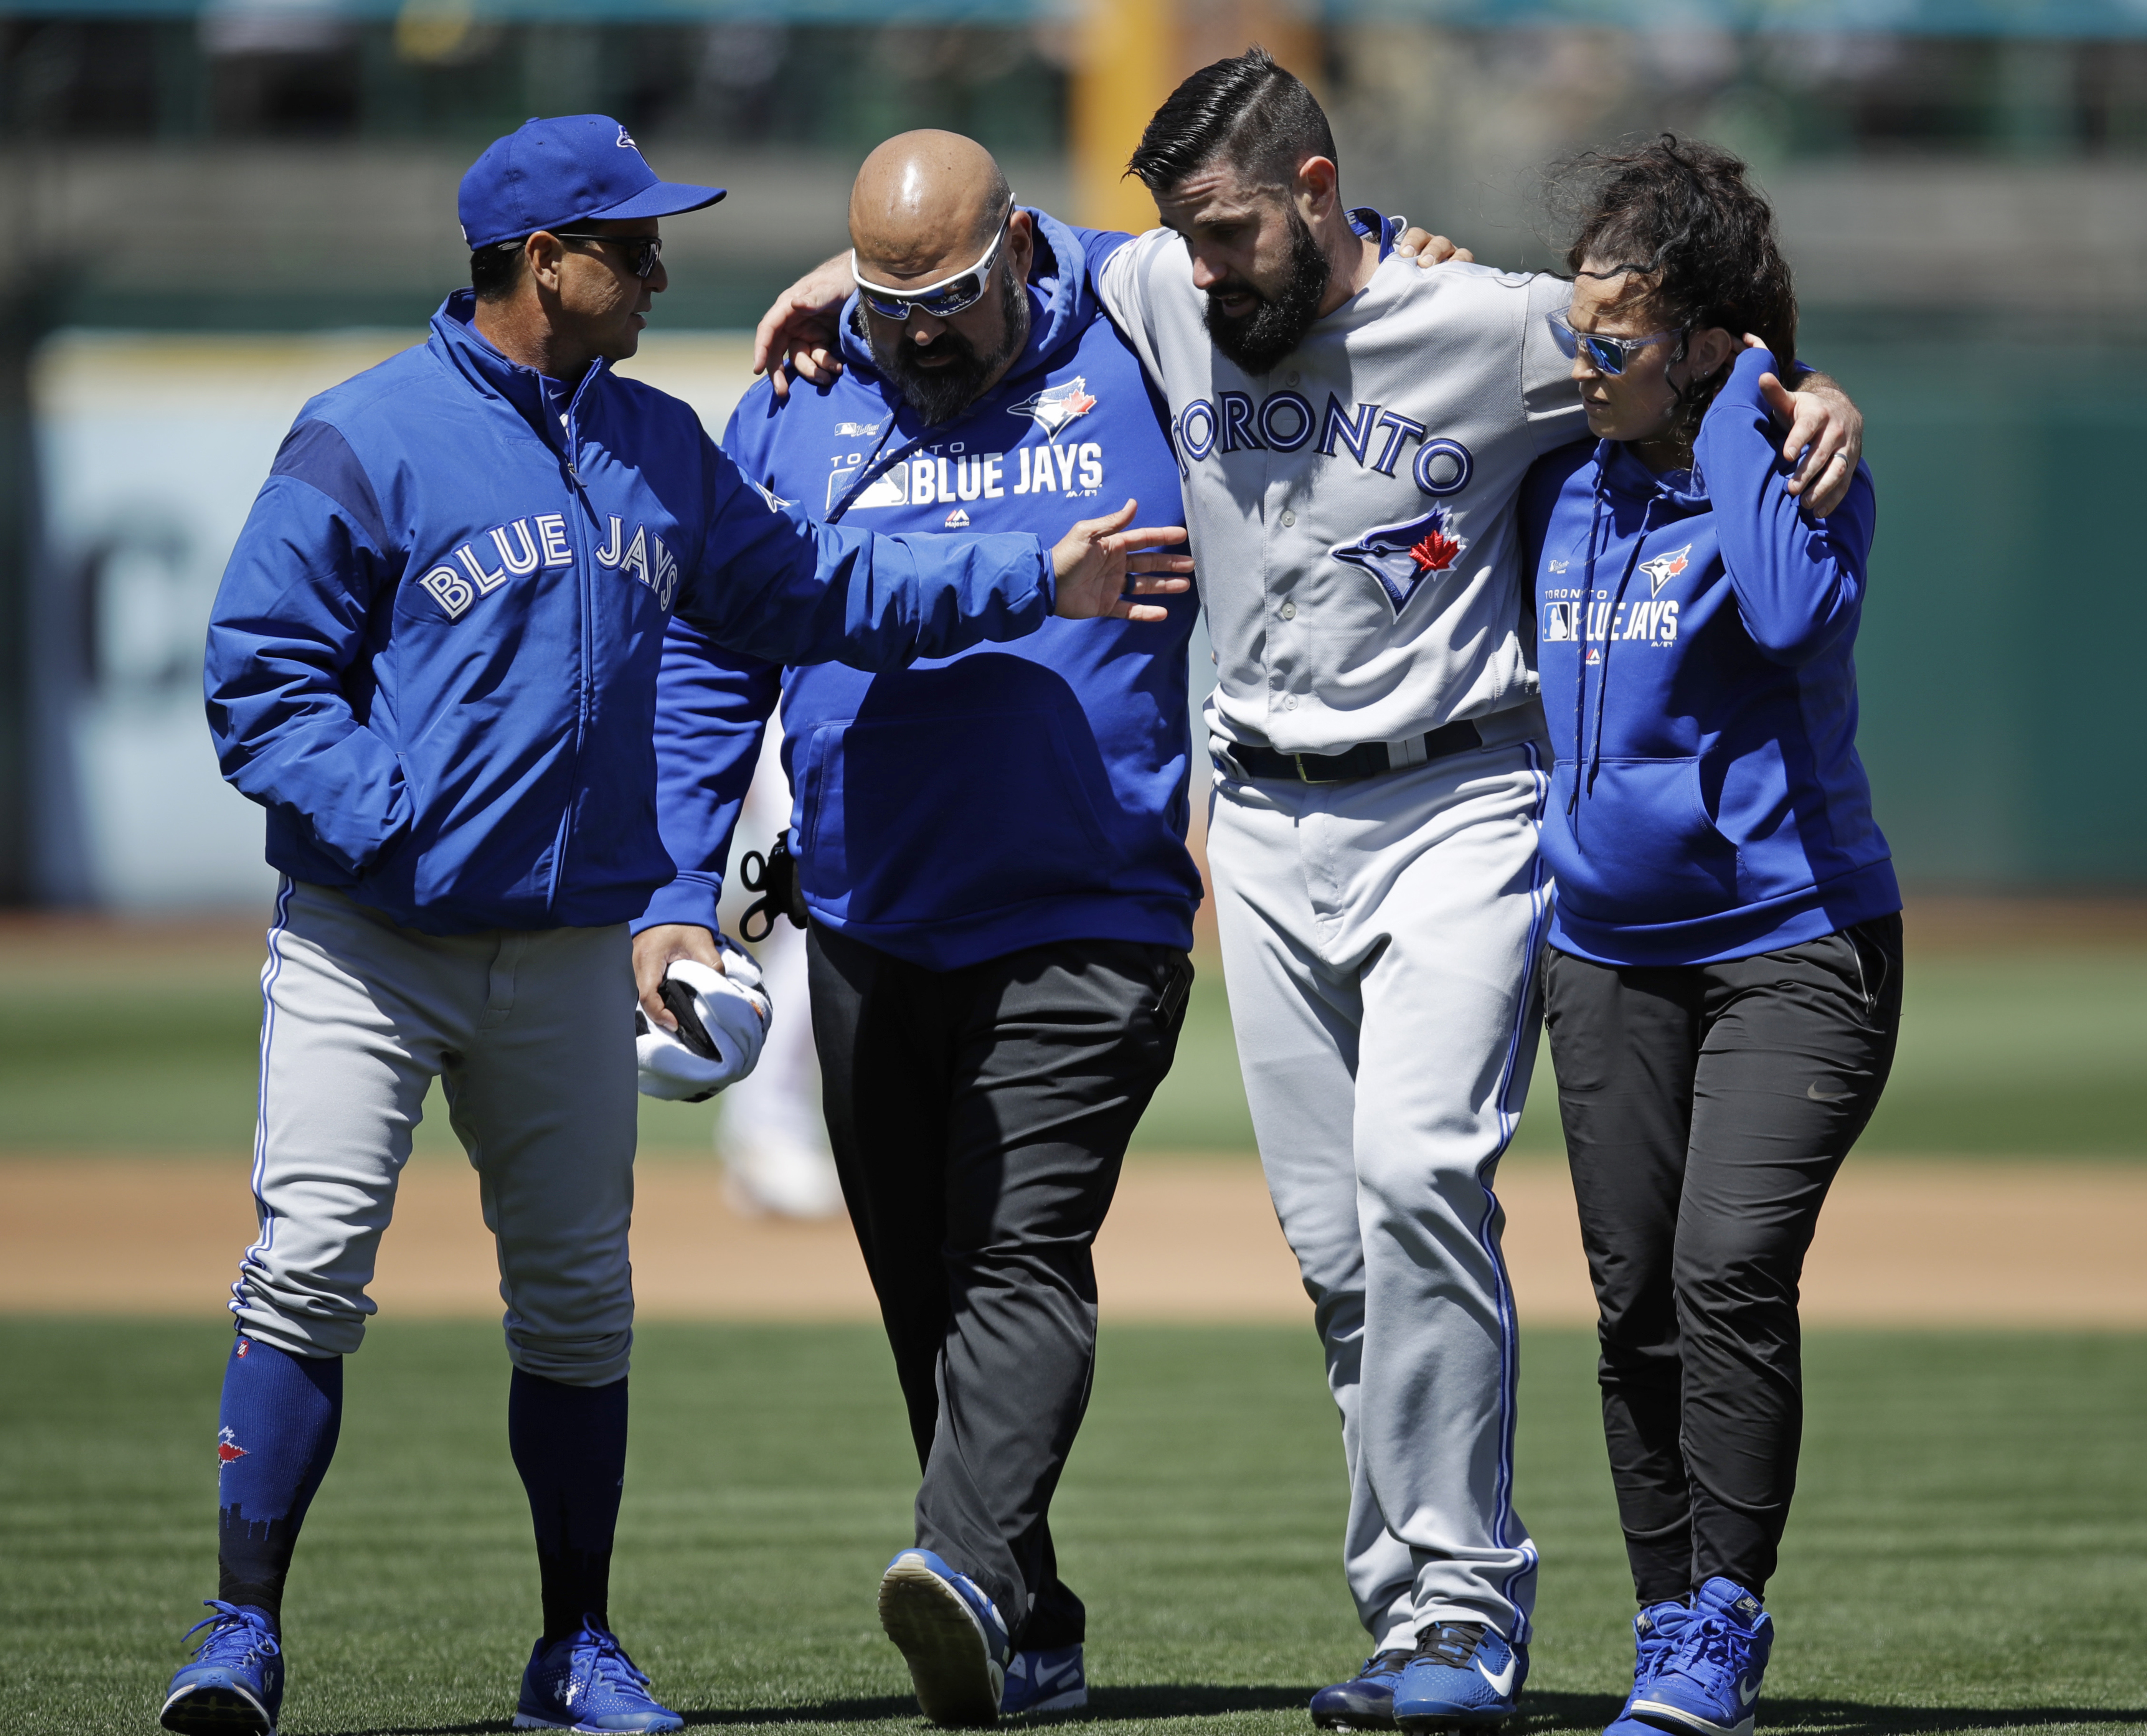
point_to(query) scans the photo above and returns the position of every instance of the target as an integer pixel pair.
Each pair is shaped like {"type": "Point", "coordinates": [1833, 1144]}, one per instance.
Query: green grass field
{"type": "Point", "coordinates": [1968, 1552]}
{"type": "Point", "coordinates": [2023, 1051]}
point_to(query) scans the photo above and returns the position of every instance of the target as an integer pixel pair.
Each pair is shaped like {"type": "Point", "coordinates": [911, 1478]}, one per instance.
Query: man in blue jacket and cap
{"type": "Point", "coordinates": [433, 659]}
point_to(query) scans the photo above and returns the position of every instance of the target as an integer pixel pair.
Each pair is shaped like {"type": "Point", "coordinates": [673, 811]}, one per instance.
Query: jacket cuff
{"type": "Point", "coordinates": [691, 898]}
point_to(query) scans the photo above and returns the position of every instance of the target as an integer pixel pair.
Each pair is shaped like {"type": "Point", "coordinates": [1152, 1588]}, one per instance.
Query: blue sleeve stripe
{"type": "Point", "coordinates": [315, 453]}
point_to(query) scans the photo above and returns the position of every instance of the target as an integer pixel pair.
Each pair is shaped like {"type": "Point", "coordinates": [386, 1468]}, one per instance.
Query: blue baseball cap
{"type": "Point", "coordinates": [570, 169]}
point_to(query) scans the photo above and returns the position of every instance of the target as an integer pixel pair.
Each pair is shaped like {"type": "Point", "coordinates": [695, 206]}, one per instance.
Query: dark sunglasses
{"type": "Point", "coordinates": [1609, 355]}
{"type": "Point", "coordinates": [642, 252]}
{"type": "Point", "coordinates": [942, 300]}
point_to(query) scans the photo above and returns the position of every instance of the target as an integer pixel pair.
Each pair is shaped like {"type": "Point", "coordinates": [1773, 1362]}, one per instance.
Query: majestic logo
{"type": "Point", "coordinates": [1664, 568]}
{"type": "Point", "coordinates": [959, 519]}
{"type": "Point", "coordinates": [1054, 407]}
{"type": "Point", "coordinates": [228, 1447]}
{"type": "Point", "coordinates": [1402, 556]}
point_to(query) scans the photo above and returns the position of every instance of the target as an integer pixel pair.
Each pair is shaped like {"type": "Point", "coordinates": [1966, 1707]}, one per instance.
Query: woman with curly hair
{"type": "Point", "coordinates": [1724, 981]}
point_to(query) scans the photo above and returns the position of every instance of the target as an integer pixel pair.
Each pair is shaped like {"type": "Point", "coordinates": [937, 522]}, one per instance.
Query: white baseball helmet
{"type": "Point", "coordinates": [723, 1021]}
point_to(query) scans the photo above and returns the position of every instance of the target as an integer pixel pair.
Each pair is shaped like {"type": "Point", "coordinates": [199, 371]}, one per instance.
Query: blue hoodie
{"type": "Point", "coordinates": [967, 807]}
{"type": "Point", "coordinates": [433, 657]}
{"type": "Point", "coordinates": [1697, 675]}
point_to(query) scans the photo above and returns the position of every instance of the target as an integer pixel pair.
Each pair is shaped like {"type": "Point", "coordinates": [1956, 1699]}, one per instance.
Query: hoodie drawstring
{"type": "Point", "coordinates": [1580, 747]}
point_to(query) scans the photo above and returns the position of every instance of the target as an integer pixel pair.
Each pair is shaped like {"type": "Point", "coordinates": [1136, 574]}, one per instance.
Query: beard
{"type": "Point", "coordinates": [940, 393]}
{"type": "Point", "coordinates": [1277, 325]}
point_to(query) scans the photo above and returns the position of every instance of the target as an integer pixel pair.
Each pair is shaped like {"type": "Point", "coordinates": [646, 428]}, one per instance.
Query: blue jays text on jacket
{"type": "Point", "coordinates": [965, 808]}
{"type": "Point", "coordinates": [1696, 640]}
{"type": "Point", "coordinates": [433, 657]}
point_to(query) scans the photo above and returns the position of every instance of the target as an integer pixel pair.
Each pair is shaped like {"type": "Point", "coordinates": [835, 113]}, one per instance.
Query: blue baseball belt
{"type": "Point", "coordinates": [1367, 759]}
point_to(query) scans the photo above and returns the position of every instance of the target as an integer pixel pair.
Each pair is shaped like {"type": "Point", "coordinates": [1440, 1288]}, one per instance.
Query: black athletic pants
{"type": "Point", "coordinates": [979, 1117]}
{"type": "Point", "coordinates": [1707, 1107]}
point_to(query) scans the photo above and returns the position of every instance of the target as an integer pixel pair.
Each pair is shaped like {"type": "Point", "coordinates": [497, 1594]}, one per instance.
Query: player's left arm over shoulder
{"type": "Point", "coordinates": [1799, 580]}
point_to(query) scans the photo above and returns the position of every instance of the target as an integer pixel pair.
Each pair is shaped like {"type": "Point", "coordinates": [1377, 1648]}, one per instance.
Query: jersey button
{"type": "Point", "coordinates": [1289, 611]}
{"type": "Point", "coordinates": [1289, 519]}
{"type": "Point", "coordinates": [1292, 377]}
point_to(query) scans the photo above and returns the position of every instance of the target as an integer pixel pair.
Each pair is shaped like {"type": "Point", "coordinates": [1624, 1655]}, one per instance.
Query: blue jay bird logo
{"type": "Point", "coordinates": [1402, 556]}
{"type": "Point", "coordinates": [1054, 407]}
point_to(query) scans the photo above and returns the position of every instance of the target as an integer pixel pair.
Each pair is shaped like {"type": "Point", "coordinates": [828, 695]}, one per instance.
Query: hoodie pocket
{"type": "Point", "coordinates": [926, 818]}
{"type": "Point", "coordinates": [1644, 848]}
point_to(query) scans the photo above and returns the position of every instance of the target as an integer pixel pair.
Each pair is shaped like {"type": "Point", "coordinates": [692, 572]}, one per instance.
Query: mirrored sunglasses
{"type": "Point", "coordinates": [1607, 355]}
{"type": "Point", "coordinates": [942, 300]}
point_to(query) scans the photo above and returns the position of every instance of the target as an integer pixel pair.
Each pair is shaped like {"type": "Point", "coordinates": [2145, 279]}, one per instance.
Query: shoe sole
{"type": "Point", "coordinates": [215, 1712]}
{"type": "Point", "coordinates": [531, 1721]}
{"type": "Point", "coordinates": [1414, 1723]}
{"type": "Point", "coordinates": [1663, 1716]}
{"type": "Point", "coordinates": [1343, 1723]}
{"type": "Point", "coordinates": [940, 1638]}
{"type": "Point", "coordinates": [1073, 1699]}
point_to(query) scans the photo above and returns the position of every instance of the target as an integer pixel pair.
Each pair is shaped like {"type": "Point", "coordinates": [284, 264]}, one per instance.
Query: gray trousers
{"type": "Point", "coordinates": [1379, 944]}
{"type": "Point", "coordinates": [529, 1032]}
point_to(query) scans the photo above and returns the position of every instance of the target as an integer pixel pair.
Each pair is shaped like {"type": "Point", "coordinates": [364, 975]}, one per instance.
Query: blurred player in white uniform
{"type": "Point", "coordinates": [769, 1130]}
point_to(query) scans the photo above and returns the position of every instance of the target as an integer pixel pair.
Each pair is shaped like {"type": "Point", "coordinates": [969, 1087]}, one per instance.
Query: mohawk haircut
{"type": "Point", "coordinates": [1247, 112]}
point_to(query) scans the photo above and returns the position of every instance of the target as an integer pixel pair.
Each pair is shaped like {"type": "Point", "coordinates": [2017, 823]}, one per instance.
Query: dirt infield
{"type": "Point", "coordinates": [1922, 1243]}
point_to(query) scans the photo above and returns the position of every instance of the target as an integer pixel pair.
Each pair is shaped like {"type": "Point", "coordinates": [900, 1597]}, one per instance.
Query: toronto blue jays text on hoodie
{"type": "Point", "coordinates": [433, 657]}
{"type": "Point", "coordinates": [1009, 797]}
{"type": "Point", "coordinates": [1696, 637]}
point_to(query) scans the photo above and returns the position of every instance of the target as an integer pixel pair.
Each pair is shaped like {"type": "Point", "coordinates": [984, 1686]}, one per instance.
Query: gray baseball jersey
{"type": "Point", "coordinates": [1353, 512]}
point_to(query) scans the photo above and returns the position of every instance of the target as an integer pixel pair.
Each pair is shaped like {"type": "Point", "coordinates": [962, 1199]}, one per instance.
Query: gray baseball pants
{"type": "Point", "coordinates": [529, 1034]}
{"type": "Point", "coordinates": [1378, 944]}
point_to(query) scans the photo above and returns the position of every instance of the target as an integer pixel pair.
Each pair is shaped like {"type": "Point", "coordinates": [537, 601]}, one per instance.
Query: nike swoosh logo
{"type": "Point", "coordinates": [1746, 1693]}
{"type": "Point", "coordinates": [1502, 1684]}
{"type": "Point", "coordinates": [1818, 1096]}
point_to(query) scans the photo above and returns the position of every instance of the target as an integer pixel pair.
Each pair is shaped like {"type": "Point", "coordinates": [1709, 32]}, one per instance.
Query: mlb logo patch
{"type": "Point", "coordinates": [1056, 406]}
{"type": "Point", "coordinates": [1557, 621]}
{"type": "Point", "coordinates": [1402, 556]}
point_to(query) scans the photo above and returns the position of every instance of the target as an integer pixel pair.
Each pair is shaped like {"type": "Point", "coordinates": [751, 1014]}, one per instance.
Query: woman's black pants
{"type": "Point", "coordinates": [1707, 1107]}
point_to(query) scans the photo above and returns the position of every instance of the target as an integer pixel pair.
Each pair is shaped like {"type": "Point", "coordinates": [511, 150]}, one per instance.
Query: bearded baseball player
{"type": "Point", "coordinates": [992, 856]}
{"type": "Point", "coordinates": [1352, 433]}
{"type": "Point", "coordinates": [433, 659]}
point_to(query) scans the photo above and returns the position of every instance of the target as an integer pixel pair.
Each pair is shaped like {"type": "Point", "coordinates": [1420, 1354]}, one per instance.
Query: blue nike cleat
{"type": "Point", "coordinates": [1366, 1701]}
{"type": "Point", "coordinates": [1709, 1684]}
{"type": "Point", "coordinates": [1051, 1681]}
{"type": "Point", "coordinates": [950, 1634]}
{"type": "Point", "coordinates": [234, 1687]}
{"type": "Point", "coordinates": [586, 1682]}
{"type": "Point", "coordinates": [1464, 1675]}
{"type": "Point", "coordinates": [1655, 1631]}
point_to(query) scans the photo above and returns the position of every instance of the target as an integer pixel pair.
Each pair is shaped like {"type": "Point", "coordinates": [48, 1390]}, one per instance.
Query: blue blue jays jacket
{"type": "Point", "coordinates": [433, 657]}
{"type": "Point", "coordinates": [963, 808]}
{"type": "Point", "coordinates": [1696, 639]}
